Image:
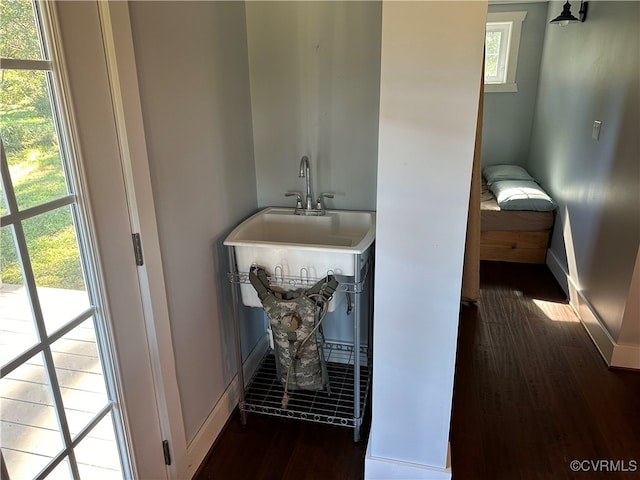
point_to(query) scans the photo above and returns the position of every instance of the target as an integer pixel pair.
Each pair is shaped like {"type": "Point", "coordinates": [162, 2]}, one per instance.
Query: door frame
{"type": "Point", "coordinates": [100, 73]}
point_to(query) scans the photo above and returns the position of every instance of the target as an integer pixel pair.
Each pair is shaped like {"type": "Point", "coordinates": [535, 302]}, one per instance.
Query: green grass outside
{"type": "Point", "coordinates": [34, 161]}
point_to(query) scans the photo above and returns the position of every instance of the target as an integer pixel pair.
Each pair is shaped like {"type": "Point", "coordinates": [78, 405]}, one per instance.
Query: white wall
{"type": "Point", "coordinates": [315, 71]}
{"type": "Point", "coordinates": [630, 328]}
{"type": "Point", "coordinates": [589, 71]}
{"type": "Point", "coordinates": [315, 90]}
{"type": "Point", "coordinates": [430, 85]}
{"type": "Point", "coordinates": [626, 352]}
{"type": "Point", "coordinates": [194, 86]}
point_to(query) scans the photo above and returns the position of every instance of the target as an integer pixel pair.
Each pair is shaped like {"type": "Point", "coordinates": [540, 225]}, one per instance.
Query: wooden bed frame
{"type": "Point", "coordinates": [514, 246]}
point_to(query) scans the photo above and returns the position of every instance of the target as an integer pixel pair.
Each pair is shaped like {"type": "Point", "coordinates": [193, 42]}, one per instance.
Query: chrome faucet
{"type": "Point", "coordinates": [305, 172]}
{"type": "Point", "coordinates": [304, 202]}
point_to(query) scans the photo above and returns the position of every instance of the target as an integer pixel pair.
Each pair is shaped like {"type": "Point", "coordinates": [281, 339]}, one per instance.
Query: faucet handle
{"type": "Point", "coordinates": [320, 205]}
{"type": "Point", "coordinates": [298, 196]}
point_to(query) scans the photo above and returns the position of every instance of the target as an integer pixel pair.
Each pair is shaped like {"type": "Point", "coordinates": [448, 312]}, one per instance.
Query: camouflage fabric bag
{"type": "Point", "coordinates": [295, 321]}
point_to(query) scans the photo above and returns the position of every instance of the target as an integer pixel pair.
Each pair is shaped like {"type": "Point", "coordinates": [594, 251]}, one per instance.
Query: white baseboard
{"type": "Point", "coordinates": [592, 323]}
{"type": "Point", "coordinates": [615, 355]}
{"type": "Point", "coordinates": [626, 356]}
{"type": "Point", "coordinates": [215, 422]}
{"type": "Point", "coordinates": [377, 468]}
{"type": "Point", "coordinates": [558, 271]}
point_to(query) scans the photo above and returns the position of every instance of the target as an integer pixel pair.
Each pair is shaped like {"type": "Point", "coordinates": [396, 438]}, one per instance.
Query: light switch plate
{"type": "Point", "coordinates": [595, 133]}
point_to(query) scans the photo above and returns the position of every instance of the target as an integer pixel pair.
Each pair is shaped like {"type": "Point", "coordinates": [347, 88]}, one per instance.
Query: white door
{"type": "Point", "coordinates": [78, 394]}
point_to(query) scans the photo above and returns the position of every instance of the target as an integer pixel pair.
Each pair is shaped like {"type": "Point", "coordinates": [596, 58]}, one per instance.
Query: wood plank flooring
{"type": "Point", "coordinates": [531, 394]}
{"type": "Point", "coordinates": [271, 448]}
{"type": "Point", "coordinates": [531, 391]}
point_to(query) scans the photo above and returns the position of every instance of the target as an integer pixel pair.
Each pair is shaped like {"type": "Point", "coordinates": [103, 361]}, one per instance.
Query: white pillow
{"type": "Point", "coordinates": [495, 173]}
{"type": "Point", "coordinates": [522, 195]}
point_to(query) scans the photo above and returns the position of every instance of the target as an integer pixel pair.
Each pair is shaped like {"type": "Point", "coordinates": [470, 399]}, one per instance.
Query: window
{"type": "Point", "coordinates": [502, 43]}
{"type": "Point", "coordinates": [58, 392]}
{"type": "Point", "coordinates": [497, 48]}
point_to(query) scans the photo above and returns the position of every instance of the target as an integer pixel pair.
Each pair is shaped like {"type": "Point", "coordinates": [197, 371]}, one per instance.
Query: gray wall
{"type": "Point", "coordinates": [194, 85]}
{"type": "Point", "coordinates": [591, 72]}
{"type": "Point", "coordinates": [508, 116]}
{"type": "Point", "coordinates": [315, 80]}
{"type": "Point", "coordinates": [315, 73]}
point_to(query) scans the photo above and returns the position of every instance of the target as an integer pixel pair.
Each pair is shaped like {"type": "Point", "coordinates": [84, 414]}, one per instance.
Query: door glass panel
{"type": "Point", "coordinates": [61, 472]}
{"type": "Point", "coordinates": [29, 426]}
{"type": "Point", "coordinates": [48, 399]}
{"type": "Point", "coordinates": [17, 328]}
{"type": "Point", "coordinates": [4, 209]}
{"type": "Point", "coordinates": [79, 372]}
{"type": "Point", "coordinates": [19, 35]}
{"type": "Point", "coordinates": [55, 259]}
{"type": "Point", "coordinates": [30, 139]}
{"type": "Point", "coordinates": [97, 454]}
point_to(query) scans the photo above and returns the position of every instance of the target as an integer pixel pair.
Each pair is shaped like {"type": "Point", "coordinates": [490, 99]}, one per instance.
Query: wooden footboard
{"type": "Point", "coordinates": [513, 246]}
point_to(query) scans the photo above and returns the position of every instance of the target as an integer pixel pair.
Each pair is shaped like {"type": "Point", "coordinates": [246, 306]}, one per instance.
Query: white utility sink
{"type": "Point", "coordinates": [296, 250]}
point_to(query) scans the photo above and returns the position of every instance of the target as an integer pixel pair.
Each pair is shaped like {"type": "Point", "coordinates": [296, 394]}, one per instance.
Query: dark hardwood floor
{"type": "Point", "coordinates": [531, 394]}
{"type": "Point", "coordinates": [271, 448]}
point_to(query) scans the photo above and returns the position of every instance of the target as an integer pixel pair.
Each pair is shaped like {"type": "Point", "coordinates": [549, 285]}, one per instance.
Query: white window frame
{"type": "Point", "coordinates": [510, 24]}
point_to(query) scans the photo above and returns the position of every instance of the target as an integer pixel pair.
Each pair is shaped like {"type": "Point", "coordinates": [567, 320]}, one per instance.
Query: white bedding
{"type": "Point", "coordinates": [493, 218]}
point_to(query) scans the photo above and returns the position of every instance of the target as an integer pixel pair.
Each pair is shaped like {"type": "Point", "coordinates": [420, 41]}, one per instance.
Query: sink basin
{"type": "Point", "coordinates": [296, 250]}
{"type": "Point", "coordinates": [338, 230]}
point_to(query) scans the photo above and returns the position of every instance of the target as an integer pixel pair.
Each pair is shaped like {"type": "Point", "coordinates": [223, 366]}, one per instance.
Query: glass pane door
{"type": "Point", "coordinates": [58, 395]}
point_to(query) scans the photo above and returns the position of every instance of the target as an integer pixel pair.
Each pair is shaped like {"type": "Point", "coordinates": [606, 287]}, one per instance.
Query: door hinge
{"type": "Point", "coordinates": [165, 450]}
{"type": "Point", "coordinates": [137, 249]}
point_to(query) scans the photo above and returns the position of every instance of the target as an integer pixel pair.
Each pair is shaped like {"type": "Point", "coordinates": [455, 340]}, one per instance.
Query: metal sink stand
{"type": "Point", "coordinates": [349, 365]}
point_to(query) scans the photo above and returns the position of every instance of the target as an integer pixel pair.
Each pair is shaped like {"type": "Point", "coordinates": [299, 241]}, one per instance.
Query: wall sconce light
{"type": "Point", "coordinates": [566, 17]}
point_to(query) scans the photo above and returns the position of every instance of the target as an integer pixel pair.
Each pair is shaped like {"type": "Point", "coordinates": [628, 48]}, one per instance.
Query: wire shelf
{"type": "Point", "coordinates": [264, 393]}
{"type": "Point", "coordinates": [303, 281]}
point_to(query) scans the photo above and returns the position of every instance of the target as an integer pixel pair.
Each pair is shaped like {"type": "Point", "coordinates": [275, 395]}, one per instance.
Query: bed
{"type": "Point", "coordinates": [516, 216]}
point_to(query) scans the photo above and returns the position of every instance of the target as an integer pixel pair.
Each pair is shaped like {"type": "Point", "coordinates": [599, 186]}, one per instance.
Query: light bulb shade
{"type": "Point", "coordinates": [566, 16]}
